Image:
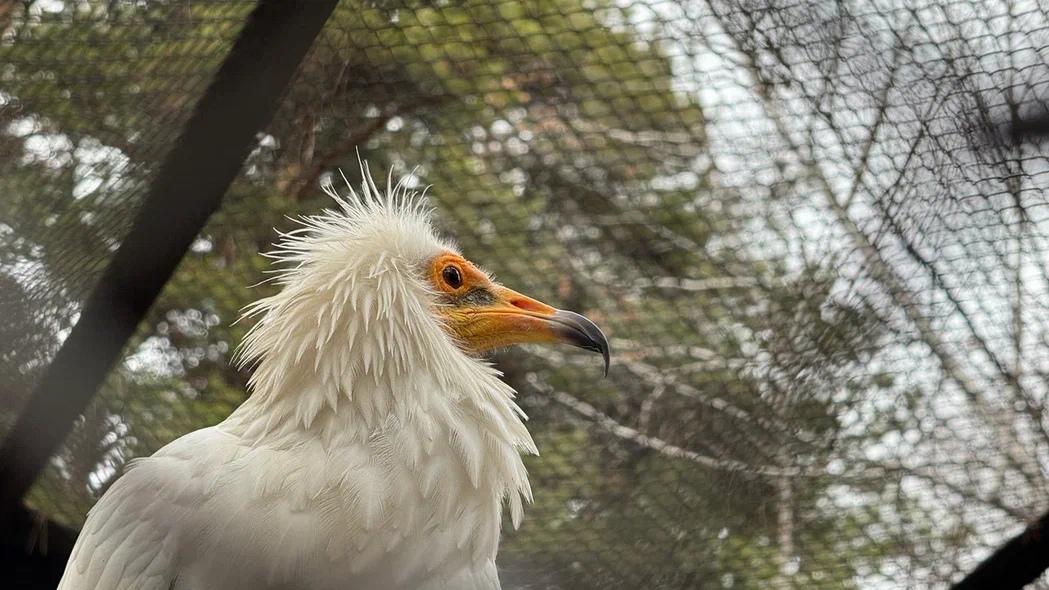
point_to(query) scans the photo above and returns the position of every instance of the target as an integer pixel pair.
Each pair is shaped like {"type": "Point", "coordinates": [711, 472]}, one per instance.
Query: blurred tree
{"type": "Point", "coordinates": [565, 158]}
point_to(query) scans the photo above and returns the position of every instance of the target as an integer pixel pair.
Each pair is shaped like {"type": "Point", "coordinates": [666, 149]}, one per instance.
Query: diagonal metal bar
{"type": "Point", "coordinates": [240, 101]}
{"type": "Point", "coordinates": [1015, 564]}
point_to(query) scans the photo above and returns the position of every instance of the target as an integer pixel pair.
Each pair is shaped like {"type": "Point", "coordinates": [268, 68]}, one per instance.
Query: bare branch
{"type": "Point", "coordinates": [680, 143]}
{"type": "Point", "coordinates": [696, 285]}
{"type": "Point", "coordinates": [891, 282]}
{"type": "Point", "coordinates": [659, 445]}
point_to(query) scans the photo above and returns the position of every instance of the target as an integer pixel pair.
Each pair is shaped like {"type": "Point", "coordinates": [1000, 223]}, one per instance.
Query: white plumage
{"type": "Point", "coordinates": [376, 450]}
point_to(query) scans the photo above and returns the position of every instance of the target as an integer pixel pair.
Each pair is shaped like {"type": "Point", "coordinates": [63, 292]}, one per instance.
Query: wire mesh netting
{"type": "Point", "coordinates": [810, 230]}
{"type": "Point", "coordinates": [92, 97]}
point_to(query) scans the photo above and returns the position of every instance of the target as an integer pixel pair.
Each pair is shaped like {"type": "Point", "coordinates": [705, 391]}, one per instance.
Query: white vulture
{"type": "Point", "coordinates": [377, 448]}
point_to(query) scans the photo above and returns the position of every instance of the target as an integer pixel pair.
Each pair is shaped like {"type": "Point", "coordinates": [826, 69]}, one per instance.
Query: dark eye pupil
{"type": "Point", "coordinates": [452, 277]}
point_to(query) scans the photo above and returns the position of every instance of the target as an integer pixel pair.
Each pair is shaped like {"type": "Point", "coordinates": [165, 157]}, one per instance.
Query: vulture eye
{"type": "Point", "coordinates": [452, 277]}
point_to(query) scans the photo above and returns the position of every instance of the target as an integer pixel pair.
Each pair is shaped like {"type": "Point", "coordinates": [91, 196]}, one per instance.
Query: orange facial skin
{"type": "Point", "coordinates": [482, 315]}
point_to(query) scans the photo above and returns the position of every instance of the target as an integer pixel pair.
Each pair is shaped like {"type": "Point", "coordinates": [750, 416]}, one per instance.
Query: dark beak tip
{"type": "Point", "coordinates": [583, 333]}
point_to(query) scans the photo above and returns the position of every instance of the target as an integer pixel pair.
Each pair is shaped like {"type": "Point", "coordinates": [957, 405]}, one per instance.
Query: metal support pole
{"type": "Point", "coordinates": [188, 188]}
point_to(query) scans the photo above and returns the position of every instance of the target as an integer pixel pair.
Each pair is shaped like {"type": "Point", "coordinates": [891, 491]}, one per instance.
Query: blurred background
{"type": "Point", "coordinates": [815, 232]}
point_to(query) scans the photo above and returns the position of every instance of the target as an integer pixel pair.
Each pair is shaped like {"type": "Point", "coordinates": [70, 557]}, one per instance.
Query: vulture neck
{"type": "Point", "coordinates": [358, 386]}
{"type": "Point", "coordinates": [345, 359]}
{"type": "Point", "coordinates": [359, 401]}
{"type": "Point", "coordinates": [369, 394]}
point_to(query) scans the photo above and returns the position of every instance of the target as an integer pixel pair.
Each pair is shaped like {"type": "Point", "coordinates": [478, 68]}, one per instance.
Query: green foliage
{"type": "Point", "coordinates": [544, 128]}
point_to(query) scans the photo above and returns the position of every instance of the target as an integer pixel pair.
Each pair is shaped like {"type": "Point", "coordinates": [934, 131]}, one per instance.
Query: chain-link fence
{"type": "Point", "coordinates": [814, 232]}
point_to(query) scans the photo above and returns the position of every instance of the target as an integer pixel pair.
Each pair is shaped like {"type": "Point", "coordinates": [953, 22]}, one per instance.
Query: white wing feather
{"type": "Point", "coordinates": [131, 537]}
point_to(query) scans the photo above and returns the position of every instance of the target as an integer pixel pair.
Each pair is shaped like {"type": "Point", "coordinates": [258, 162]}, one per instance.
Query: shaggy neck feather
{"type": "Point", "coordinates": [349, 353]}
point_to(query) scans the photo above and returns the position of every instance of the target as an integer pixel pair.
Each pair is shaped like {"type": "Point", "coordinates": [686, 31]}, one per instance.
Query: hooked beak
{"type": "Point", "coordinates": [579, 331]}
{"type": "Point", "coordinates": [502, 317]}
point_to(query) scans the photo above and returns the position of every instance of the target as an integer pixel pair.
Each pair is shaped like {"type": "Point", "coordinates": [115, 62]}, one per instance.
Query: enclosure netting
{"type": "Point", "coordinates": [818, 252]}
